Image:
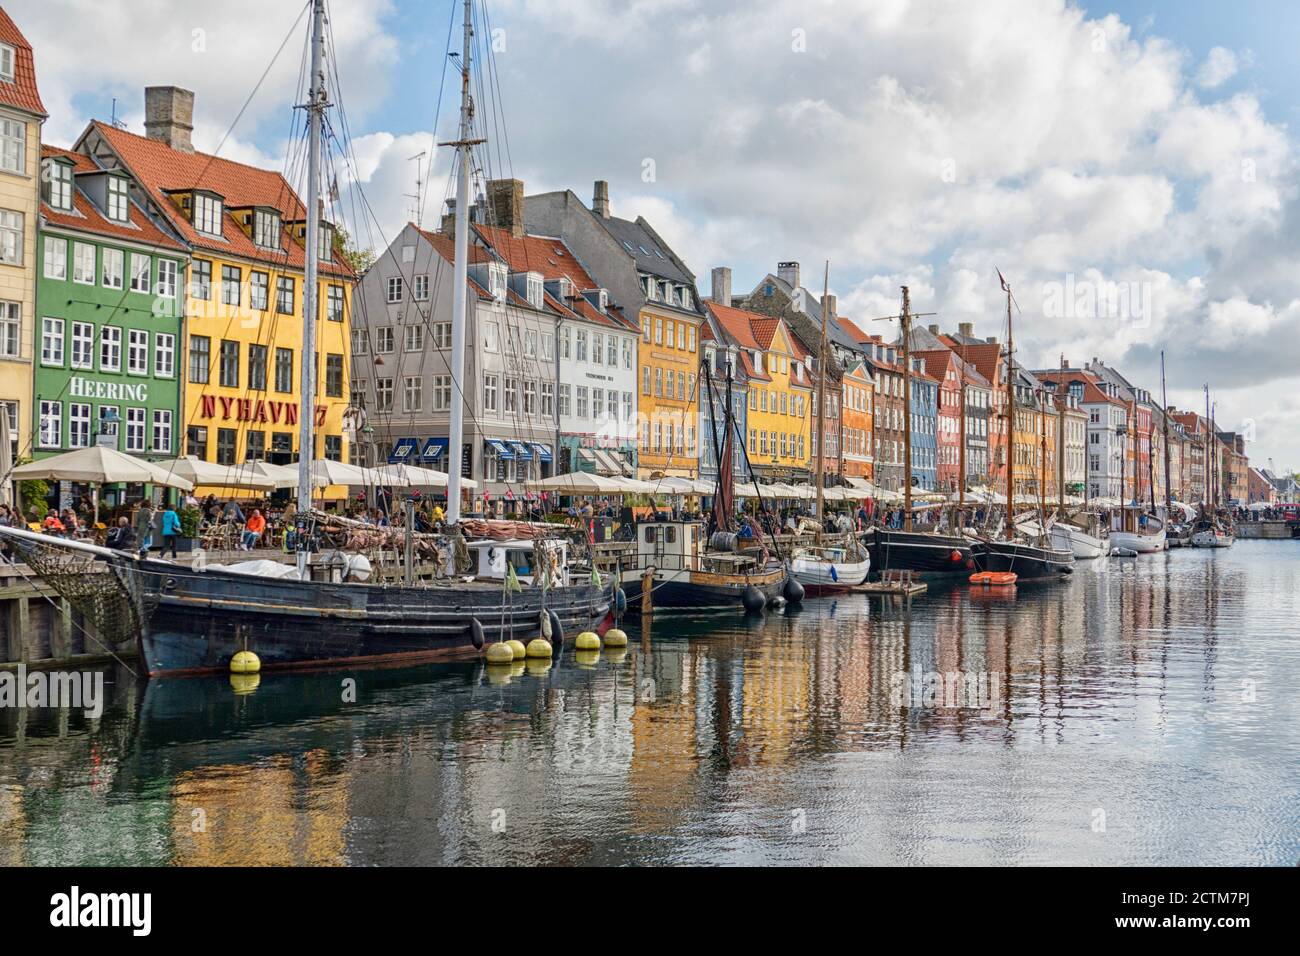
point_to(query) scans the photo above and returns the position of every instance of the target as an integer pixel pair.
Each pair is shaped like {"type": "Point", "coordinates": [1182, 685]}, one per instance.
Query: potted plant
{"type": "Point", "coordinates": [191, 518]}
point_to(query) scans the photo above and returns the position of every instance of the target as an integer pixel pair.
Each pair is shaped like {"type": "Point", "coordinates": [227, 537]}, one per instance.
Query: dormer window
{"type": "Point", "coordinates": [206, 215]}
{"type": "Point", "coordinates": [6, 63]}
{"type": "Point", "coordinates": [648, 284]}
{"type": "Point", "coordinates": [497, 276]}
{"type": "Point", "coordinates": [56, 187]}
{"type": "Point", "coordinates": [325, 247]}
{"type": "Point", "coordinates": [566, 292]}
{"type": "Point", "coordinates": [535, 290]}
{"type": "Point", "coordinates": [686, 298]}
{"type": "Point", "coordinates": [117, 198]}
{"type": "Point", "coordinates": [266, 228]}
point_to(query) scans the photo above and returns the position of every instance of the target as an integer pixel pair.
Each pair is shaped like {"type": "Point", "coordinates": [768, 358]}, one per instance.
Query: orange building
{"type": "Point", "coordinates": [857, 410]}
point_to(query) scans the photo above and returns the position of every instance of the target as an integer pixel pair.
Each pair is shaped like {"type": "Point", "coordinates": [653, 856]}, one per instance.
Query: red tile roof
{"type": "Point", "coordinates": [161, 169]}
{"type": "Point", "coordinates": [986, 357]}
{"type": "Point", "coordinates": [22, 92]}
{"type": "Point", "coordinates": [1092, 392]}
{"type": "Point", "coordinates": [86, 217]}
{"type": "Point", "coordinates": [737, 323]}
{"type": "Point", "coordinates": [853, 331]}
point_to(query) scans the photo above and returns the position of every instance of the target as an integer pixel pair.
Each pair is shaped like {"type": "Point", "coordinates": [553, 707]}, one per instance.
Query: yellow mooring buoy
{"type": "Point", "coordinates": [500, 653]}
{"type": "Point", "coordinates": [245, 662]}
{"type": "Point", "coordinates": [538, 648]}
{"type": "Point", "coordinates": [517, 647]}
{"type": "Point", "coordinates": [587, 641]}
{"type": "Point", "coordinates": [615, 637]}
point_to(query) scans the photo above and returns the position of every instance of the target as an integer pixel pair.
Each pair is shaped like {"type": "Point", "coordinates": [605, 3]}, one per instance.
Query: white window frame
{"type": "Point", "coordinates": [207, 214]}
{"type": "Point", "coordinates": [395, 289]}
{"type": "Point", "coordinates": [137, 352]}
{"type": "Point", "coordinates": [167, 278]}
{"type": "Point", "coordinates": [51, 421]}
{"type": "Point", "coordinates": [135, 426]}
{"type": "Point", "coordinates": [162, 428]}
{"type": "Point", "coordinates": [118, 200]}
{"type": "Point", "coordinates": [12, 224]}
{"type": "Point", "coordinates": [82, 355]}
{"type": "Point", "coordinates": [140, 276]}
{"type": "Point", "coordinates": [110, 348]}
{"type": "Point", "coordinates": [56, 258]}
{"type": "Point", "coordinates": [79, 421]}
{"type": "Point", "coordinates": [83, 263]}
{"type": "Point", "coordinates": [112, 264]}
{"type": "Point", "coordinates": [164, 352]}
{"type": "Point", "coordinates": [13, 145]}
{"type": "Point", "coordinates": [52, 341]}
{"type": "Point", "coordinates": [11, 329]}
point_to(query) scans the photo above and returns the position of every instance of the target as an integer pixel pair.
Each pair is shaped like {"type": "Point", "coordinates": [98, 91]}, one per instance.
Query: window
{"type": "Point", "coordinates": [512, 395]}
{"type": "Point", "coordinates": [200, 359]}
{"type": "Point", "coordinates": [6, 62]}
{"type": "Point", "coordinates": [530, 398]}
{"type": "Point", "coordinates": [13, 140]}
{"type": "Point", "coordinates": [334, 447]}
{"type": "Point", "coordinates": [201, 279]}
{"type": "Point", "coordinates": [118, 190]}
{"type": "Point", "coordinates": [359, 342]}
{"type": "Point", "coordinates": [534, 290]}
{"type": "Point", "coordinates": [110, 349]}
{"type": "Point", "coordinates": [334, 376]}
{"type": "Point", "coordinates": [284, 295]}
{"type": "Point", "coordinates": [52, 342]}
{"type": "Point", "coordinates": [334, 303]}
{"type": "Point", "coordinates": [257, 367]}
{"type": "Point", "coordinates": [259, 290]}
{"type": "Point", "coordinates": [659, 331]}
{"type": "Point", "coordinates": [284, 370]}
{"type": "Point", "coordinates": [139, 273]}
{"type": "Point", "coordinates": [412, 394]}
{"type": "Point", "coordinates": [11, 237]}
{"type": "Point", "coordinates": [582, 401]}
{"type": "Point", "coordinates": [384, 394]}
{"type": "Point", "coordinates": [266, 229]}
{"type": "Point", "coordinates": [548, 345]}
{"type": "Point", "coordinates": [56, 258]}
{"type": "Point", "coordinates": [597, 403]}
{"type": "Point", "coordinates": [530, 343]}
{"type": "Point", "coordinates": [135, 429]}
{"type": "Point", "coordinates": [83, 263]}
{"type": "Point", "coordinates": [384, 339]}
{"type": "Point", "coordinates": [420, 288]}
{"type": "Point", "coordinates": [413, 338]}
{"type": "Point", "coordinates": [162, 431]}
{"type": "Point", "coordinates": [229, 368]}
{"type": "Point", "coordinates": [598, 348]}
{"type": "Point", "coordinates": [226, 440]}
{"type": "Point", "coordinates": [548, 399]}
{"type": "Point", "coordinates": [581, 339]}
{"type": "Point", "coordinates": [83, 345]}
{"type": "Point", "coordinates": [564, 400]}
{"type": "Point", "coordinates": [11, 326]}
{"type": "Point", "coordinates": [207, 214]}
{"type": "Point", "coordinates": [491, 337]}
{"type": "Point", "coordinates": [164, 355]}
{"type": "Point", "coordinates": [611, 356]}
{"type": "Point", "coordinates": [255, 446]}
{"type": "Point", "coordinates": [51, 427]}
{"type": "Point", "coordinates": [627, 406]}
{"type": "Point", "coordinates": [441, 392]}
{"type": "Point", "coordinates": [489, 393]}
{"type": "Point", "coordinates": [645, 379]}
{"type": "Point", "coordinates": [137, 352]}
{"type": "Point", "coordinates": [112, 268]}
{"type": "Point", "coordinates": [57, 187]}
{"type": "Point", "coordinates": [394, 288]}
{"type": "Point", "coordinates": [442, 335]}
{"type": "Point", "coordinates": [231, 277]}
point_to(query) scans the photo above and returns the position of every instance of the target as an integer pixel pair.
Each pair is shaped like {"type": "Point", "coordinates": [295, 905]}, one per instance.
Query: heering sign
{"type": "Point", "coordinates": [79, 387]}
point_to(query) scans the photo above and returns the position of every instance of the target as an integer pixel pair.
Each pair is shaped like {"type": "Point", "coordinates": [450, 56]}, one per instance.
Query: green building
{"type": "Point", "coordinates": [109, 306]}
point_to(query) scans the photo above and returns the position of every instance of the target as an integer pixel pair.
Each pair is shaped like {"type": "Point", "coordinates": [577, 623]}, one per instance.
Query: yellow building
{"type": "Point", "coordinates": [668, 404]}
{"type": "Point", "coordinates": [243, 351]}
{"type": "Point", "coordinates": [21, 116]}
{"type": "Point", "coordinates": [780, 392]}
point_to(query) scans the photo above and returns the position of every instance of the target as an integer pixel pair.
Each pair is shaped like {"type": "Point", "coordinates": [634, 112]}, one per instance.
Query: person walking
{"type": "Point", "coordinates": [171, 529]}
{"type": "Point", "coordinates": [144, 527]}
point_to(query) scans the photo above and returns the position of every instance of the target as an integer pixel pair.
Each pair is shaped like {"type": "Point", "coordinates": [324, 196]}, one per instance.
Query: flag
{"type": "Point", "coordinates": [834, 575]}
{"type": "Point", "coordinates": [595, 577]}
{"type": "Point", "coordinates": [512, 579]}
{"type": "Point", "coordinates": [1005, 287]}
{"type": "Point", "coordinates": [510, 496]}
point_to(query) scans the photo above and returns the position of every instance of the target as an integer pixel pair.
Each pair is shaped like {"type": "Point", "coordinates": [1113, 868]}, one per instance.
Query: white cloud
{"type": "Point", "coordinates": [1219, 67]}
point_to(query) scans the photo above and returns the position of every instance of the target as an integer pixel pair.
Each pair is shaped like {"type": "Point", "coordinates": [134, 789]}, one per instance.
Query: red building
{"type": "Point", "coordinates": [945, 368]}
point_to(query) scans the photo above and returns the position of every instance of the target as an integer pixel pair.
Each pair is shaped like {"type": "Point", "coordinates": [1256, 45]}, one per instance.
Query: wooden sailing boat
{"type": "Point", "coordinates": [191, 620]}
{"type": "Point", "coordinates": [1214, 528]}
{"type": "Point", "coordinates": [1081, 533]}
{"type": "Point", "coordinates": [927, 556]}
{"type": "Point", "coordinates": [823, 569]}
{"type": "Point", "coordinates": [1016, 554]}
{"type": "Point", "coordinates": [1136, 534]}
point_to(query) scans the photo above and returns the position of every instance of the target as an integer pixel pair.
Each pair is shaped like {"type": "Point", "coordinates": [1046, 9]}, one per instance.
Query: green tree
{"type": "Point", "coordinates": [359, 259]}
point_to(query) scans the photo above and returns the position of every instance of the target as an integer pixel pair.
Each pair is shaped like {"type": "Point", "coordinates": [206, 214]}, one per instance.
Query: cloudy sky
{"type": "Point", "coordinates": [1127, 164]}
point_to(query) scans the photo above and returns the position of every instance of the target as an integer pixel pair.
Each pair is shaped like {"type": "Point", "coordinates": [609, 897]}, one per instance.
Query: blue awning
{"type": "Point", "coordinates": [543, 452]}
{"type": "Point", "coordinates": [521, 451]}
{"type": "Point", "coordinates": [500, 448]}
{"type": "Point", "coordinates": [434, 448]}
{"type": "Point", "coordinates": [402, 450]}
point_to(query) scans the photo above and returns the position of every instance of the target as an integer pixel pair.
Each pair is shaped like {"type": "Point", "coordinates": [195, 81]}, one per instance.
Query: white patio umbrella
{"type": "Point", "coordinates": [199, 472]}
{"type": "Point", "coordinates": [339, 473]}
{"type": "Point", "coordinates": [413, 476]}
{"type": "Point", "coordinates": [281, 476]}
{"type": "Point", "coordinates": [580, 483]}
{"type": "Point", "coordinates": [100, 465]}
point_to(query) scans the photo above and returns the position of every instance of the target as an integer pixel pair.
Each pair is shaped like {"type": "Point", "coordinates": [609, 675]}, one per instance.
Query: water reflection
{"type": "Point", "coordinates": [1154, 697]}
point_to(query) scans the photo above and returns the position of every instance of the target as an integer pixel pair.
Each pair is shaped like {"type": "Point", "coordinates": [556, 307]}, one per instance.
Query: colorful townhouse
{"type": "Point", "coordinates": [924, 394]}
{"type": "Point", "coordinates": [987, 403]}
{"type": "Point", "coordinates": [857, 415]}
{"type": "Point", "coordinates": [778, 418]}
{"type": "Point", "coordinates": [110, 300]}
{"type": "Point", "coordinates": [246, 230]}
{"type": "Point", "coordinates": [728, 372]}
{"type": "Point", "coordinates": [644, 278]}
{"type": "Point", "coordinates": [943, 365]}
{"type": "Point", "coordinates": [21, 116]}
{"type": "Point", "coordinates": [887, 419]}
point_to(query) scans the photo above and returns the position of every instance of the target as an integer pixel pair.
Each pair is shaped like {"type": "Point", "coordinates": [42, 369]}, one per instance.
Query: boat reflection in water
{"type": "Point", "coordinates": [1007, 718]}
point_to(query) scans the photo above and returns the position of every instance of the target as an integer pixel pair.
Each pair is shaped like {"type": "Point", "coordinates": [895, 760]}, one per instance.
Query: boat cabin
{"type": "Point", "coordinates": [492, 557]}
{"type": "Point", "coordinates": [671, 546]}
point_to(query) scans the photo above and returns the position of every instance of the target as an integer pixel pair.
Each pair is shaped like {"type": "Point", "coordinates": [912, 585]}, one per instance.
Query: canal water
{"type": "Point", "coordinates": [1144, 711]}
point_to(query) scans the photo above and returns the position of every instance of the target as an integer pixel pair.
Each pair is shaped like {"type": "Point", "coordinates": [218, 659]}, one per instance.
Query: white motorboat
{"type": "Point", "coordinates": [1143, 542]}
{"type": "Point", "coordinates": [1211, 535]}
{"type": "Point", "coordinates": [826, 570]}
{"type": "Point", "coordinates": [1083, 545]}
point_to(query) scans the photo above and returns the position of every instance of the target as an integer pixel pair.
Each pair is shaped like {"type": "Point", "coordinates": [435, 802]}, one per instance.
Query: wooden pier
{"type": "Point", "coordinates": [39, 629]}
{"type": "Point", "coordinates": [894, 584]}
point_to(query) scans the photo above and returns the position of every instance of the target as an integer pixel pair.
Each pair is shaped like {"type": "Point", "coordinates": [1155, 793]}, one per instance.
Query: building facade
{"type": "Point", "coordinates": [21, 117]}
{"type": "Point", "coordinates": [109, 296]}
{"type": "Point", "coordinates": [857, 415]}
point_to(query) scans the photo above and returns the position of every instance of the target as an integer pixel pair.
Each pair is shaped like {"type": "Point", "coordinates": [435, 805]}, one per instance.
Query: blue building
{"type": "Point", "coordinates": [722, 358]}
{"type": "Point", "coordinates": [925, 422]}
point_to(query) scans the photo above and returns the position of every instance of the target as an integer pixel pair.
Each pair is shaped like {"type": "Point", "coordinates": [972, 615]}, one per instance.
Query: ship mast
{"type": "Point", "coordinates": [821, 406]}
{"type": "Point", "coordinates": [460, 275]}
{"type": "Point", "coordinates": [905, 326]}
{"type": "Point", "coordinates": [1011, 411]}
{"type": "Point", "coordinates": [312, 256]}
{"type": "Point", "coordinates": [1164, 414]}
{"type": "Point", "coordinates": [1060, 443]}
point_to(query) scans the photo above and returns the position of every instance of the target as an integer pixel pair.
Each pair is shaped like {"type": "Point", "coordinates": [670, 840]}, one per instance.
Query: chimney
{"type": "Point", "coordinates": [449, 218]}
{"type": "Point", "coordinates": [788, 272]}
{"type": "Point", "coordinates": [966, 329]}
{"type": "Point", "coordinates": [600, 200]}
{"type": "Point", "coordinates": [830, 302]}
{"type": "Point", "coordinates": [1065, 363]}
{"type": "Point", "coordinates": [169, 116]}
{"type": "Point", "coordinates": [934, 329]}
{"type": "Point", "coordinates": [992, 340]}
{"type": "Point", "coordinates": [505, 205]}
{"type": "Point", "coordinates": [721, 285]}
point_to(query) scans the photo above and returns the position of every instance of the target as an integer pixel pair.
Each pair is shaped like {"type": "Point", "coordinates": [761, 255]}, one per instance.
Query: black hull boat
{"type": "Point", "coordinates": [930, 557]}
{"type": "Point", "coordinates": [1028, 562]}
{"type": "Point", "coordinates": [701, 592]}
{"type": "Point", "coordinates": [193, 622]}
